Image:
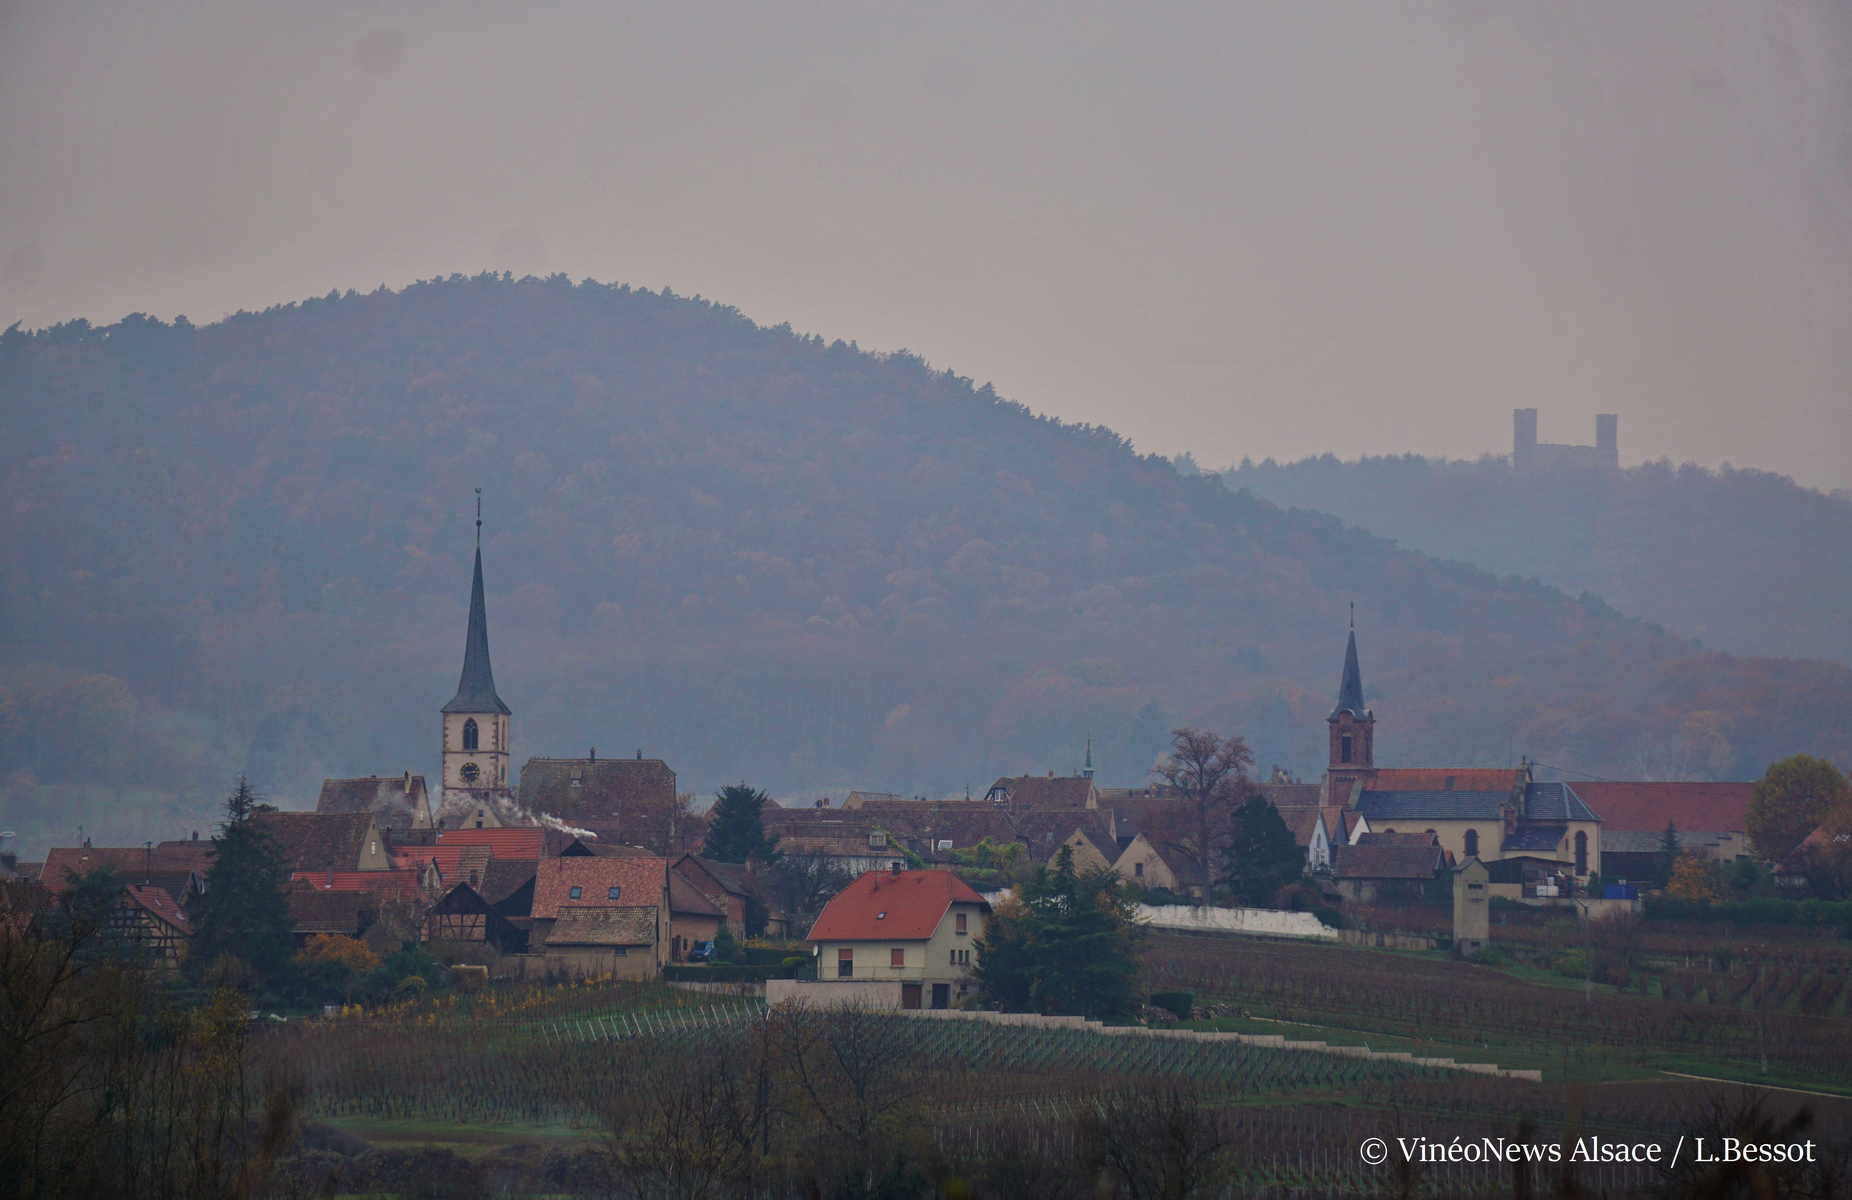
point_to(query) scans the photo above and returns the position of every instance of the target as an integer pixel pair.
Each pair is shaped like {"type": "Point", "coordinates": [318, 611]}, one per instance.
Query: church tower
{"type": "Point", "coordinates": [476, 750]}
{"type": "Point", "coordinates": [1353, 733]}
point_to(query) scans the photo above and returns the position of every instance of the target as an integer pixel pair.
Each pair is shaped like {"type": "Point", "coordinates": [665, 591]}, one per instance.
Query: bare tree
{"type": "Point", "coordinates": [854, 1067]}
{"type": "Point", "coordinates": [1165, 1145]}
{"type": "Point", "coordinates": [1209, 773]}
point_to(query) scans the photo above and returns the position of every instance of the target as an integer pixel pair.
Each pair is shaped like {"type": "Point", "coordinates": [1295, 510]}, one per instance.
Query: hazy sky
{"type": "Point", "coordinates": [1266, 229]}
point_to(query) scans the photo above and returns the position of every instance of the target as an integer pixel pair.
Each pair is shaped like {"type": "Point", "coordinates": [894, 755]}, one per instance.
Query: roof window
{"type": "Point", "coordinates": [612, 894]}
{"type": "Point", "coordinates": [576, 892]}
{"type": "Point", "coordinates": [880, 916]}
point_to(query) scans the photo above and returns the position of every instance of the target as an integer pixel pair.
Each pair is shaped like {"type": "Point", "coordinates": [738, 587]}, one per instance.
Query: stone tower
{"type": "Point", "coordinates": [1353, 733]}
{"type": "Point", "coordinates": [476, 750]}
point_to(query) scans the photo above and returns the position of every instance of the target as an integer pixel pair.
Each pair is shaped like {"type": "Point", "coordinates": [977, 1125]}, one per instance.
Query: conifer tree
{"type": "Point", "coordinates": [1668, 854]}
{"type": "Point", "coordinates": [735, 831]}
{"type": "Point", "coordinates": [1263, 857]}
{"type": "Point", "coordinates": [1065, 944]}
{"type": "Point", "coordinates": [242, 912]}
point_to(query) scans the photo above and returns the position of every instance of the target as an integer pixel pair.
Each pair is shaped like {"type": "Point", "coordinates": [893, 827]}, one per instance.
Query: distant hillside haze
{"type": "Point", "coordinates": [756, 555]}
{"type": "Point", "coordinates": [1744, 560]}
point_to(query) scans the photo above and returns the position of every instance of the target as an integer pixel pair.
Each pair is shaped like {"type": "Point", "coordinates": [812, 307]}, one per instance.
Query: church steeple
{"type": "Point", "coordinates": [1350, 688]}
{"type": "Point", "coordinates": [1353, 728]}
{"type": "Point", "coordinates": [476, 748]}
{"type": "Point", "coordinates": [476, 688]}
{"type": "Point", "coordinates": [1086, 772]}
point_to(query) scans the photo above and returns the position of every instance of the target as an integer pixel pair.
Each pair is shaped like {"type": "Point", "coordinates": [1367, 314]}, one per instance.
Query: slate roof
{"type": "Point", "coordinates": [1647, 806]}
{"type": "Point", "coordinates": [476, 687]}
{"type": "Point", "coordinates": [1386, 862]}
{"type": "Point", "coordinates": [638, 880]}
{"type": "Point", "coordinates": [1540, 838]}
{"type": "Point", "coordinates": [1379, 807]}
{"type": "Point", "coordinates": [593, 848]}
{"type": "Point", "coordinates": [396, 801]}
{"type": "Point", "coordinates": [510, 841]}
{"type": "Point", "coordinates": [155, 900]}
{"type": "Point", "coordinates": [316, 910]}
{"type": "Point", "coordinates": [314, 841]}
{"type": "Point", "coordinates": [732, 877]}
{"type": "Point", "coordinates": [1637, 841]}
{"type": "Point", "coordinates": [586, 789]}
{"type": "Point", "coordinates": [626, 925]}
{"type": "Point", "coordinates": [1048, 791]}
{"type": "Point", "coordinates": [1446, 779]}
{"type": "Point", "coordinates": [885, 906]}
{"type": "Point", "coordinates": [1555, 802]}
{"type": "Point", "coordinates": [1350, 687]}
{"type": "Point", "coordinates": [130, 863]}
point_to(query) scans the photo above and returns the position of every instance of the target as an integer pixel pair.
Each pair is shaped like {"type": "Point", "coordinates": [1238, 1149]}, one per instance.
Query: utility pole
{"type": "Point", "coordinates": [1588, 952]}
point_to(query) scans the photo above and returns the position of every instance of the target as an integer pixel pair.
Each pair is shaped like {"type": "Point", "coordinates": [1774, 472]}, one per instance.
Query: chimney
{"type": "Point", "coordinates": [639, 756]}
{"type": "Point", "coordinates": [408, 783]}
{"type": "Point", "coordinates": [593, 757]}
{"type": "Point", "coordinates": [894, 867]}
{"type": "Point", "coordinates": [196, 835]}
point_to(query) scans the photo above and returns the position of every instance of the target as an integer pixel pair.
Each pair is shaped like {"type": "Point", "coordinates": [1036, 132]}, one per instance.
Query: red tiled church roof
{"type": "Point", "coordinates": [883, 905]}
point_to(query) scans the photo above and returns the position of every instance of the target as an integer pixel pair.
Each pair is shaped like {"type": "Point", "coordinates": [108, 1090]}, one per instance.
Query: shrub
{"type": "Point", "coordinates": [332, 947]}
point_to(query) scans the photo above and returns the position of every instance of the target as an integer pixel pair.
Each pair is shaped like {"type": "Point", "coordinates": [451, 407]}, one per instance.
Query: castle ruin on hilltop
{"type": "Point", "coordinates": [1528, 454]}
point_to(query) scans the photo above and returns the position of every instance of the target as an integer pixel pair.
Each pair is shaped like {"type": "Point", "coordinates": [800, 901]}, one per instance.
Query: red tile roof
{"type": "Point", "coordinates": [1436, 779]}
{"type": "Point", "coordinates": [508, 842]}
{"type": "Point", "coordinates": [316, 841]}
{"type": "Point", "coordinates": [638, 880]}
{"type": "Point", "coordinates": [156, 900]}
{"type": "Point", "coordinates": [1645, 807]}
{"type": "Point", "coordinates": [883, 906]}
{"type": "Point", "coordinates": [686, 900]}
{"type": "Point", "coordinates": [392, 885]}
{"type": "Point", "coordinates": [129, 863]}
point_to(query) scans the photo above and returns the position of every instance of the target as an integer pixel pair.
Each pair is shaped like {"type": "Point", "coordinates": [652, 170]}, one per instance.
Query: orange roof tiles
{"type": "Point", "coordinates": [128, 863]}
{"type": "Point", "coordinates": [637, 880]}
{"type": "Point", "coordinates": [884, 906]}
{"type": "Point", "coordinates": [157, 901]}
{"type": "Point", "coordinates": [394, 885]}
{"type": "Point", "coordinates": [1447, 779]}
{"type": "Point", "coordinates": [1645, 807]}
{"type": "Point", "coordinates": [511, 842]}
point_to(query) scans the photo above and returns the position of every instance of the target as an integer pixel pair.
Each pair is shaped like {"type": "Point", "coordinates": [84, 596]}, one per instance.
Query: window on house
{"type": "Point", "coordinates": [1344, 748]}
{"type": "Point", "coordinates": [1138, 870]}
{"type": "Point", "coordinates": [1472, 843]}
{"type": "Point", "coordinates": [470, 736]}
{"type": "Point", "coordinates": [877, 841]}
{"type": "Point", "coordinates": [945, 843]}
{"type": "Point", "coordinates": [954, 958]}
{"type": "Point", "coordinates": [845, 963]}
{"type": "Point", "coordinates": [576, 892]}
{"type": "Point", "coordinates": [1581, 854]}
{"type": "Point", "coordinates": [897, 957]}
{"type": "Point", "coordinates": [611, 894]}
{"type": "Point", "coordinates": [958, 922]}
{"type": "Point", "coordinates": [623, 951]}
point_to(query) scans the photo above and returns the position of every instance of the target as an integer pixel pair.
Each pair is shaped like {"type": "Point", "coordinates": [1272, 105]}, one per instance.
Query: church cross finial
{"type": "Point", "coordinates": [479, 522]}
{"type": "Point", "coordinates": [1353, 603]}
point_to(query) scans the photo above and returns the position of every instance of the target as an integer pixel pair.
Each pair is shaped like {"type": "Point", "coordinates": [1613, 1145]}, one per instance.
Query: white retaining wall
{"type": "Point", "coordinates": [1235, 920]}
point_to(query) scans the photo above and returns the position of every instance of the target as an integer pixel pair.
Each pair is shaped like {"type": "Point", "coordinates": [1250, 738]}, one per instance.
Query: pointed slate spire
{"type": "Point", "coordinates": [476, 689]}
{"type": "Point", "coordinates": [1087, 771]}
{"type": "Point", "coordinates": [1350, 691]}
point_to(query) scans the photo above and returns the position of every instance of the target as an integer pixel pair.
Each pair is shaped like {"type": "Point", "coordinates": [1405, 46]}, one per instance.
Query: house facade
{"type": "Point", "coordinates": [912, 933]}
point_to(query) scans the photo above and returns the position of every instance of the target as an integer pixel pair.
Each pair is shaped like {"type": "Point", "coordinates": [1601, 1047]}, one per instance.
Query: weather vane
{"type": "Point", "coordinates": [1353, 603]}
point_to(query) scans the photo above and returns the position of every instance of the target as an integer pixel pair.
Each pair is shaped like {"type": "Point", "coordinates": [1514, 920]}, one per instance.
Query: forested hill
{"type": "Point", "coordinates": [246, 546]}
{"type": "Point", "coordinates": [1746, 561]}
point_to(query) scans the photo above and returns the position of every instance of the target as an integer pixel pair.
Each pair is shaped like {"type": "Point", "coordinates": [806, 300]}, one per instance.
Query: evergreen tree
{"type": "Point", "coordinates": [1668, 855]}
{"type": "Point", "coordinates": [242, 912]}
{"type": "Point", "coordinates": [1263, 857]}
{"type": "Point", "coordinates": [1065, 944]}
{"type": "Point", "coordinates": [735, 832]}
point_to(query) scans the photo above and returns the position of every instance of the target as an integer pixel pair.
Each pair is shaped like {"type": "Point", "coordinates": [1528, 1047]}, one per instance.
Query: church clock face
{"type": "Point", "coordinates": [470, 772]}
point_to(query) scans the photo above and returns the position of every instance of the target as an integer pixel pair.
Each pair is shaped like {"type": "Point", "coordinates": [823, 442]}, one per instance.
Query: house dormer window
{"type": "Point", "coordinates": [877, 840]}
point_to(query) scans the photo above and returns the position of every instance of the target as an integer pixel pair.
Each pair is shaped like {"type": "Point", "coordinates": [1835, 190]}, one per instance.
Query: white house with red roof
{"type": "Point", "coordinates": [894, 939]}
